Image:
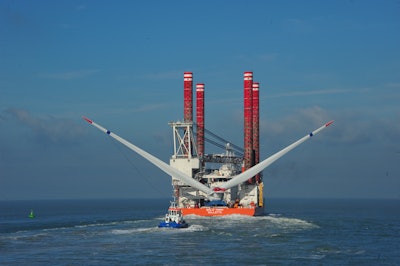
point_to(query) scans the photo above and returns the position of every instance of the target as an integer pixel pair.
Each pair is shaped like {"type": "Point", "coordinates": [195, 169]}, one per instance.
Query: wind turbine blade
{"type": "Point", "coordinates": [154, 160]}
{"type": "Point", "coordinates": [267, 162]}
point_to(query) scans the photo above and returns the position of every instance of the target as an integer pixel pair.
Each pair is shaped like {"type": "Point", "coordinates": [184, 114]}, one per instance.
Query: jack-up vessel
{"type": "Point", "coordinates": [236, 187]}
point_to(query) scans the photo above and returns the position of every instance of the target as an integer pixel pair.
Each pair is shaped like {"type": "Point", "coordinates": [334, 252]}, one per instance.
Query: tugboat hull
{"type": "Point", "coordinates": [173, 225]}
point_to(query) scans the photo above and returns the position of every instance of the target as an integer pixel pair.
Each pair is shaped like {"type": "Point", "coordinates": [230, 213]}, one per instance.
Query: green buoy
{"type": "Point", "coordinates": [31, 215]}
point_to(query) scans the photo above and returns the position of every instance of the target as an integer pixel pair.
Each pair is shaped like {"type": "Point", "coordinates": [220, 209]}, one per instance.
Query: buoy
{"type": "Point", "coordinates": [31, 215]}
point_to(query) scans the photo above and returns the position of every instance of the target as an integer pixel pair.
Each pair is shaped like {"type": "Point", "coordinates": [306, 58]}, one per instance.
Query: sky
{"type": "Point", "coordinates": [121, 64]}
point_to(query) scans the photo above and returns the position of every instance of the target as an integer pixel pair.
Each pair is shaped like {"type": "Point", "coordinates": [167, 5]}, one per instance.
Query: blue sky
{"type": "Point", "coordinates": [122, 64]}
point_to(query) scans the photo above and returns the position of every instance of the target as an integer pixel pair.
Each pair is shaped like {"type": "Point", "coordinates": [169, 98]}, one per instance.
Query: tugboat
{"type": "Point", "coordinates": [174, 218]}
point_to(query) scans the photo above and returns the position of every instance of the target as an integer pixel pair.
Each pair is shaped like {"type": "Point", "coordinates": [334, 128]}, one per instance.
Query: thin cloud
{"type": "Point", "coordinates": [314, 92]}
{"type": "Point", "coordinates": [151, 107]}
{"type": "Point", "coordinates": [360, 128]}
{"type": "Point", "coordinates": [80, 7]}
{"type": "Point", "coordinates": [48, 129]}
{"type": "Point", "coordinates": [350, 127]}
{"type": "Point", "coordinates": [393, 85]}
{"type": "Point", "coordinates": [70, 75]}
{"type": "Point", "coordinates": [268, 57]}
{"type": "Point", "coordinates": [117, 110]}
{"type": "Point", "coordinates": [66, 26]}
{"type": "Point", "coordinates": [164, 75]}
{"type": "Point", "coordinates": [313, 116]}
{"type": "Point", "coordinates": [298, 25]}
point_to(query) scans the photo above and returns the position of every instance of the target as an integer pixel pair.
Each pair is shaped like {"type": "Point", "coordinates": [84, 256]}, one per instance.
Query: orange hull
{"type": "Point", "coordinates": [223, 211]}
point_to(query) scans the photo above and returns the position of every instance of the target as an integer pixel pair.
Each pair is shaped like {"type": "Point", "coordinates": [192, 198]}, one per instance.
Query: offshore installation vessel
{"type": "Point", "coordinates": [201, 188]}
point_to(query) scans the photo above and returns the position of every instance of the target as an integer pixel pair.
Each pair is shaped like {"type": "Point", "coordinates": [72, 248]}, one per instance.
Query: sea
{"type": "Point", "coordinates": [125, 232]}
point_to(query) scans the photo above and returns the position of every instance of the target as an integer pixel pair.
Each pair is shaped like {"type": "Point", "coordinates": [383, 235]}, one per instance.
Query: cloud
{"type": "Point", "coordinates": [80, 7]}
{"type": "Point", "coordinates": [66, 26]}
{"type": "Point", "coordinates": [350, 127]}
{"type": "Point", "coordinates": [357, 144]}
{"type": "Point", "coordinates": [14, 17]}
{"type": "Point", "coordinates": [151, 107]}
{"type": "Point", "coordinates": [313, 92]}
{"type": "Point", "coordinates": [360, 128]}
{"type": "Point", "coordinates": [70, 75]}
{"type": "Point", "coordinates": [48, 129]}
{"type": "Point", "coordinates": [269, 57]}
{"type": "Point", "coordinates": [393, 85]}
{"type": "Point", "coordinates": [313, 116]}
{"type": "Point", "coordinates": [298, 25]}
{"type": "Point", "coordinates": [164, 75]}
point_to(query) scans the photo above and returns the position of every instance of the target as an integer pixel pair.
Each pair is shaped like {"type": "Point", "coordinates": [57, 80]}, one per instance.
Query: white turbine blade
{"type": "Point", "coordinates": [154, 160]}
{"type": "Point", "coordinates": [267, 162]}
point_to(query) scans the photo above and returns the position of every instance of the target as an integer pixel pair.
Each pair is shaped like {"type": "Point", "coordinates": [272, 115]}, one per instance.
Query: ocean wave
{"type": "Point", "coordinates": [196, 228]}
{"type": "Point", "coordinates": [311, 257]}
{"type": "Point", "coordinates": [57, 227]}
{"type": "Point", "coordinates": [22, 236]}
{"type": "Point", "coordinates": [289, 222]}
{"type": "Point", "coordinates": [111, 223]}
{"type": "Point", "coordinates": [132, 230]}
{"type": "Point", "coordinates": [271, 219]}
{"type": "Point", "coordinates": [191, 228]}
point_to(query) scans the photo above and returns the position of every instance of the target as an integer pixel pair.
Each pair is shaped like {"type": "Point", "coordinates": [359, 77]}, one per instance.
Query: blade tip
{"type": "Point", "coordinates": [87, 119]}
{"type": "Point", "coordinates": [329, 123]}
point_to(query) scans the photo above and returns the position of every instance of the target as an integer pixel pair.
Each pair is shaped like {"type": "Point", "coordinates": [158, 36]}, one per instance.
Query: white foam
{"type": "Point", "coordinates": [132, 230]}
{"type": "Point", "coordinates": [197, 228]}
{"type": "Point", "coordinates": [289, 223]}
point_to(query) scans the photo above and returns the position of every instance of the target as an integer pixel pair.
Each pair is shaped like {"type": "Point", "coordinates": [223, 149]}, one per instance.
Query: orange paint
{"type": "Point", "coordinates": [223, 211]}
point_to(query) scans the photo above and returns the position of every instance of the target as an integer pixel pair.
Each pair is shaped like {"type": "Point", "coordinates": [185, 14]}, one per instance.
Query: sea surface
{"type": "Point", "coordinates": [125, 232]}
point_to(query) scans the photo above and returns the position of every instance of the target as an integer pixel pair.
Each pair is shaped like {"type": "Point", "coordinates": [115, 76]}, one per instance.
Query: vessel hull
{"type": "Point", "coordinates": [223, 211]}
